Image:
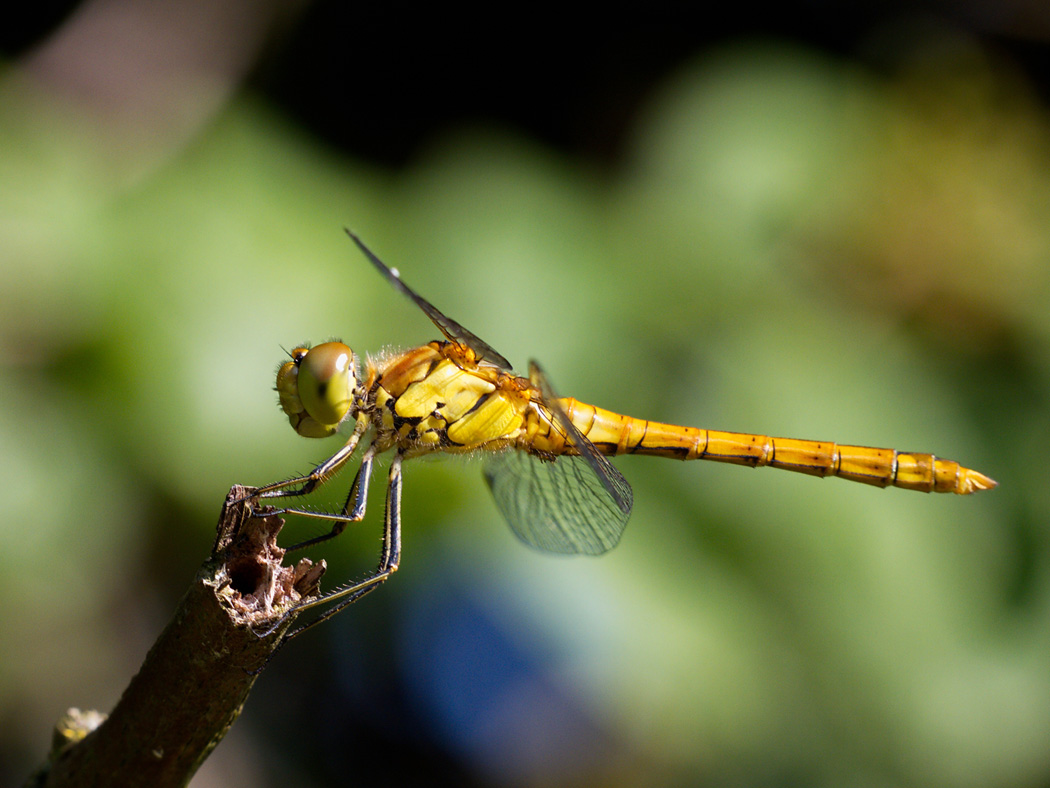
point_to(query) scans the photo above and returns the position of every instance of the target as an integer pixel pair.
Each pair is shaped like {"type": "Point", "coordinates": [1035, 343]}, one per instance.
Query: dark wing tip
{"type": "Point", "coordinates": [452, 330]}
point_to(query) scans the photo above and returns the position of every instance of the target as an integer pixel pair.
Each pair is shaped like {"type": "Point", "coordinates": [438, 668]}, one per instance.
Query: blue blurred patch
{"type": "Point", "coordinates": [490, 699]}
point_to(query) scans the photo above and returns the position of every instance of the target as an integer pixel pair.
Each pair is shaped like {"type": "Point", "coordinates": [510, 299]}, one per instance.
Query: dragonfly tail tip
{"type": "Point", "coordinates": [975, 481]}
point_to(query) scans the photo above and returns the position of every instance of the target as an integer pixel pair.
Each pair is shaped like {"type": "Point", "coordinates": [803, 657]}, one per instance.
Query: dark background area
{"type": "Point", "coordinates": [567, 75]}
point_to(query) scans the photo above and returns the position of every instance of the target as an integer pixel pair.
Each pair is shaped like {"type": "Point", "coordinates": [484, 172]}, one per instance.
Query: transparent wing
{"type": "Point", "coordinates": [560, 506]}
{"type": "Point", "coordinates": [573, 503]}
{"type": "Point", "coordinates": [452, 330]}
{"type": "Point", "coordinates": [611, 479]}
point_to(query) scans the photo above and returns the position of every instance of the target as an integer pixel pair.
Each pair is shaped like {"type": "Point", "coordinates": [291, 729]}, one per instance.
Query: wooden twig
{"type": "Point", "coordinates": [197, 675]}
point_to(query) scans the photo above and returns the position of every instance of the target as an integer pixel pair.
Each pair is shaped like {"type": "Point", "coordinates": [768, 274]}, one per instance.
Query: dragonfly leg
{"type": "Point", "coordinates": [319, 475]}
{"type": "Point", "coordinates": [388, 561]}
{"type": "Point", "coordinates": [358, 497]}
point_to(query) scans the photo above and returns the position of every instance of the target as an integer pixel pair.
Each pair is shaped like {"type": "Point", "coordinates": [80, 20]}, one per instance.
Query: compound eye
{"type": "Point", "coordinates": [326, 382]}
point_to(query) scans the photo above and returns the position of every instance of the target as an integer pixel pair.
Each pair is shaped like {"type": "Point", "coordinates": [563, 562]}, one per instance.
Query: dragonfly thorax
{"type": "Point", "coordinates": [317, 388]}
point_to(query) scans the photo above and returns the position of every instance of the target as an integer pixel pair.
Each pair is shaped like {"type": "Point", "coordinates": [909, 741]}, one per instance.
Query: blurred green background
{"type": "Point", "coordinates": [779, 226]}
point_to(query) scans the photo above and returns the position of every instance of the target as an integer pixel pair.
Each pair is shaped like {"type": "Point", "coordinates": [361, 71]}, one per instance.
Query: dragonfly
{"type": "Point", "coordinates": [545, 456]}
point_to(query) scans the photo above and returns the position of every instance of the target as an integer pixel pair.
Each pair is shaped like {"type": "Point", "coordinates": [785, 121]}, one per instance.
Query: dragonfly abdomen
{"type": "Point", "coordinates": [613, 433]}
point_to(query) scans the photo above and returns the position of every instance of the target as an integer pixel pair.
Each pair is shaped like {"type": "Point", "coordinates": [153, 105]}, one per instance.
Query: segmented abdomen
{"type": "Point", "coordinates": [613, 433]}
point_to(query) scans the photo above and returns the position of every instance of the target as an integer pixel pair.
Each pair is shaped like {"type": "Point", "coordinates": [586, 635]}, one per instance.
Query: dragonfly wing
{"type": "Point", "coordinates": [571, 504]}
{"type": "Point", "coordinates": [559, 506]}
{"type": "Point", "coordinates": [611, 479]}
{"type": "Point", "coordinates": [452, 330]}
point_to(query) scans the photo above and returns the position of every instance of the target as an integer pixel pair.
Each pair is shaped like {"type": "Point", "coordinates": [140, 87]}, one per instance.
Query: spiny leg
{"type": "Point", "coordinates": [388, 560]}
{"type": "Point", "coordinates": [358, 495]}
{"type": "Point", "coordinates": [318, 475]}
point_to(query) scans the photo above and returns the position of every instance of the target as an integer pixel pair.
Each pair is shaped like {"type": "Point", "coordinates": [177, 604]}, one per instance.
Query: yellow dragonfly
{"type": "Point", "coordinates": [545, 455]}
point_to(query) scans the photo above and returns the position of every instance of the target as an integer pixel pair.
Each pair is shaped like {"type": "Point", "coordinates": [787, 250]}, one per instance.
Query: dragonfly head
{"type": "Point", "coordinates": [317, 388]}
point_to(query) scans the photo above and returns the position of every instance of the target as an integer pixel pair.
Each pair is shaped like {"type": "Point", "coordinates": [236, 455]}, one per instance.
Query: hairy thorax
{"type": "Point", "coordinates": [427, 400]}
